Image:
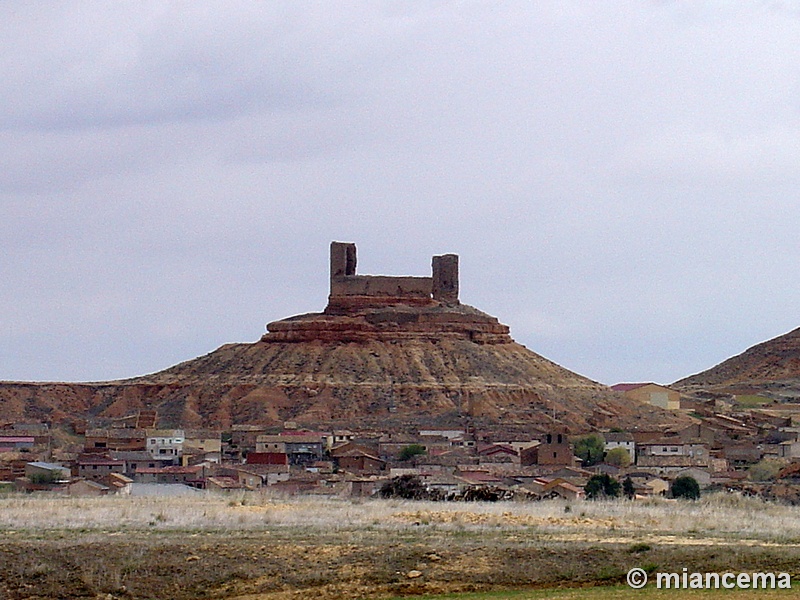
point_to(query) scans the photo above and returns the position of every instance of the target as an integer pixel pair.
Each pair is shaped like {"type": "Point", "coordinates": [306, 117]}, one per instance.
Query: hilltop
{"type": "Point", "coordinates": [771, 369]}
{"type": "Point", "coordinates": [387, 352]}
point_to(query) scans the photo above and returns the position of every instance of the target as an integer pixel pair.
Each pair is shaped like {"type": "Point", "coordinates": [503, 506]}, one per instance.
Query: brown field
{"type": "Point", "coordinates": [260, 547]}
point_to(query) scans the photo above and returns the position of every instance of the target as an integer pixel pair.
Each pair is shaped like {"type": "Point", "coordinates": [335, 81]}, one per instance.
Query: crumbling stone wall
{"type": "Point", "coordinates": [442, 286]}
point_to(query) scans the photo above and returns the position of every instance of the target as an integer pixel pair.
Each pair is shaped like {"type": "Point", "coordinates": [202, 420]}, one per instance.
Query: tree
{"type": "Point", "coordinates": [589, 449]}
{"type": "Point", "coordinates": [686, 487]}
{"type": "Point", "coordinates": [410, 451]}
{"type": "Point", "coordinates": [628, 490]}
{"type": "Point", "coordinates": [601, 486]}
{"type": "Point", "coordinates": [619, 457]}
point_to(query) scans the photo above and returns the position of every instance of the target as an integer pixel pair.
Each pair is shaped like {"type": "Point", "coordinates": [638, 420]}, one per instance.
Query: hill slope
{"type": "Point", "coordinates": [771, 368]}
{"type": "Point", "coordinates": [403, 382]}
{"type": "Point", "coordinates": [387, 352]}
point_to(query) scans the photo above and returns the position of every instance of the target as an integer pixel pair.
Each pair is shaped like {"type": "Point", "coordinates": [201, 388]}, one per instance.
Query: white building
{"type": "Point", "coordinates": [163, 443]}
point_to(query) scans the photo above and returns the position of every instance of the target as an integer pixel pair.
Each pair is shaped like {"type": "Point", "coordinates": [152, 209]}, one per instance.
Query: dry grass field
{"type": "Point", "coordinates": [261, 547]}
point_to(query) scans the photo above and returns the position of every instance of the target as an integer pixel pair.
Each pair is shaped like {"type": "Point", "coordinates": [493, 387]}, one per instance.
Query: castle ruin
{"type": "Point", "coordinates": [389, 308]}
{"type": "Point", "coordinates": [347, 289]}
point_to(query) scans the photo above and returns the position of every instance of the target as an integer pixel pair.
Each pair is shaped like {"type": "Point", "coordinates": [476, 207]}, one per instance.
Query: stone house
{"type": "Point", "coordinates": [103, 440]}
{"type": "Point", "coordinates": [202, 445]}
{"type": "Point", "coordinates": [87, 487]}
{"type": "Point", "coordinates": [789, 449]}
{"type": "Point", "coordinates": [16, 443]}
{"type": "Point", "coordinates": [96, 466]}
{"type": "Point", "coordinates": [496, 453]}
{"type": "Point", "coordinates": [138, 459]}
{"type": "Point", "coordinates": [193, 476]}
{"type": "Point", "coordinates": [268, 458]}
{"type": "Point", "coordinates": [301, 447]}
{"type": "Point", "coordinates": [223, 484]}
{"type": "Point", "coordinates": [46, 472]}
{"type": "Point", "coordinates": [120, 484]}
{"type": "Point", "coordinates": [672, 454]}
{"type": "Point", "coordinates": [743, 454]}
{"type": "Point", "coordinates": [701, 476]}
{"type": "Point", "coordinates": [358, 461]}
{"type": "Point", "coordinates": [566, 490]}
{"type": "Point", "coordinates": [652, 486]}
{"type": "Point", "coordinates": [624, 440]}
{"type": "Point", "coordinates": [650, 393]}
{"type": "Point", "coordinates": [337, 437]}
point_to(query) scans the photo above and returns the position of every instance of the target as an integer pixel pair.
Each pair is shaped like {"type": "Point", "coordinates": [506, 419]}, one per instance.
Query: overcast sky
{"type": "Point", "coordinates": [620, 180]}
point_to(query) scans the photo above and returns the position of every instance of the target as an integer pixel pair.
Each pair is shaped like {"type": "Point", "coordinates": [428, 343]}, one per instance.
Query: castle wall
{"type": "Point", "coordinates": [442, 286]}
{"type": "Point", "coordinates": [381, 285]}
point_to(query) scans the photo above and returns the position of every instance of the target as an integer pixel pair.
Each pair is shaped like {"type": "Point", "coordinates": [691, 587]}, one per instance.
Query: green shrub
{"type": "Point", "coordinates": [589, 449]}
{"type": "Point", "coordinates": [601, 486]}
{"type": "Point", "coordinates": [412, 450]}
{"type": "Point", "coordinates": [685, 487]}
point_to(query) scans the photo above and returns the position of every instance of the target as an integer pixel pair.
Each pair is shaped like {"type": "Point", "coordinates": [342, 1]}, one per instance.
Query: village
{"type": "Point", "coordinates": [753, 449]}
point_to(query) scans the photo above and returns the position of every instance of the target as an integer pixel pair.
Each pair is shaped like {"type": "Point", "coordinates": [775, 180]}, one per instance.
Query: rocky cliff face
{"type": "Point", "coordinates": [771, 368]}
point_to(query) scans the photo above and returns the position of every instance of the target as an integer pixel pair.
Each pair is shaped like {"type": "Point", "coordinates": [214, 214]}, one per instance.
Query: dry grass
{"type": "Point", "coordinates": [719, 516]}
{"type": "Point", "coordinates": [258, 546]}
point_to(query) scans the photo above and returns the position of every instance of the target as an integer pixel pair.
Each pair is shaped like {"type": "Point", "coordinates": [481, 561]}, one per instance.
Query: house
{"type": "Point", "coordinates": [103, 440]}
{"type": "Point", "coordinates": [193, 476]}
{"type": "Point", "coordinates": [650, 393]}
{"type": "Point", "coordinates": [272, 444]}
{"type": "Point", "coordinates": [223, 484]}
{"type": "Point", "coordinates": [742, 455]}
{"type": "Point", "coordinates": [672, 454]}
{"type": "Point", "coordinates": [624, 440]}
{"type": "Point", "coordinates": [360, 488]}
{"type": "Point", "coordinates": [496, 453]}
{"type": "Point", "coordinates": [87, 487]}
{"type": "Point", "coordinates": [302, 447]}
{"type": "Point", "coordinates": [565, 490]}
{"type": "Point", "coordinates": [701, 476]}
{"type": "Point", "coordinates": [40, 432]}
{"type": "Point", "coordinates": [165, 443]}
{"type": "Point", "coordinates": [358, 461]}
{"type": "Point", "coordinates": [268, 458]}
{"type": "Point", "coordinates": [654, 486]}
{"type": "Point", "coordinates": [789, 449]}
{"type": "Point", "coordinates": [338, 436]}
{"type": "Point", "coordinates": [202, 445]}
{"type": "Point", "coordinates": [473, 476]}
{"type": "Point", "coordinates": [96, 466]}
{"type": "Point", "coordinates": [16, 443]}
{"type": "Point", "coordinates": [241, 440]}
{"type": "Point", "coordinates": [253, 477]}
{"type": "Point", "coordinates": [44, 472]}
{"type": "Point", "coordinates": [138, 459]}
{"type": "Point", "coordinates": [120, 484]}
